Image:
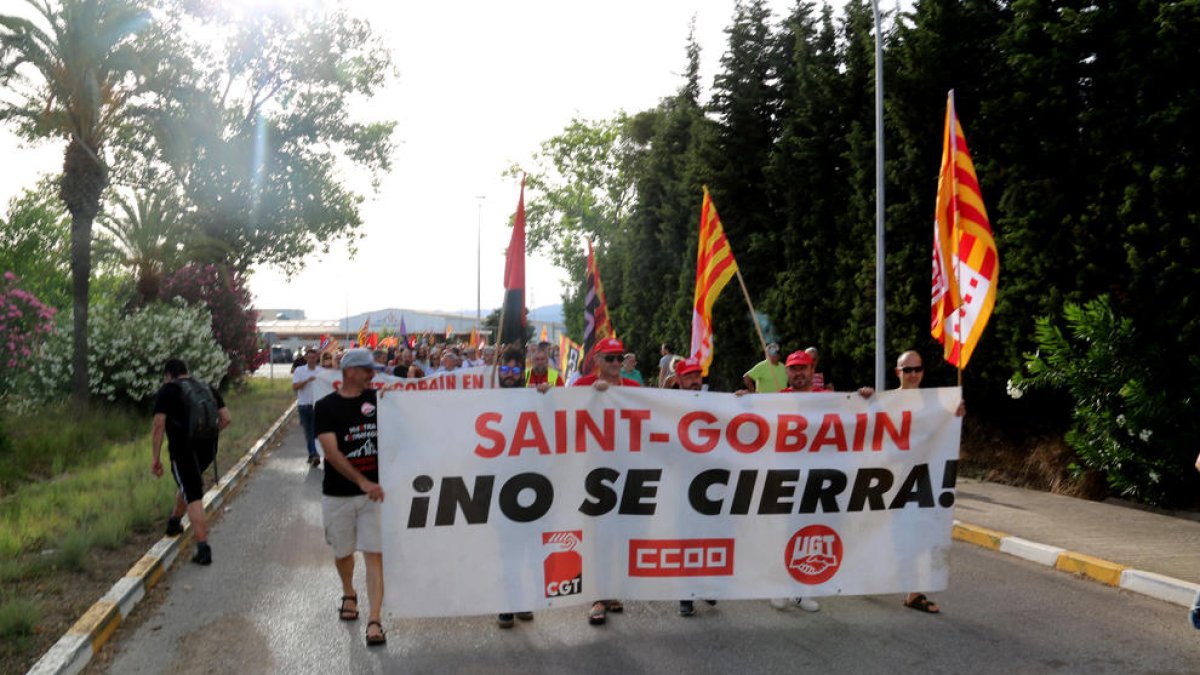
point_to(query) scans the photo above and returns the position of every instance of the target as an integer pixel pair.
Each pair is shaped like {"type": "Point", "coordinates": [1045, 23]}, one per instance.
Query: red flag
{"type": "Point", "coordinates": [372, 340]}
{"type": "Point", "coordinates": [513, 327]}
{"type": "Point", "coordinates": [596, 325]}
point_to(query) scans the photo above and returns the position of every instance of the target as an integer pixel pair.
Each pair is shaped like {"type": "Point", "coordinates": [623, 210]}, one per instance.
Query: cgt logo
{"type": "Point", "coordinates": [813, 554]}
{"type": "Point", "coordinates": [680, 557]}
{"type": "Point", "coordinates": [563, 566]}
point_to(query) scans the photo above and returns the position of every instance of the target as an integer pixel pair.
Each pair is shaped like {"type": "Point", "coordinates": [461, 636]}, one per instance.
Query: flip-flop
{"type": "Point", "coordinates": [598, 615]}
{"type": "Point", "coordinates": [345, 613]}
{"type": "Point", "coordinates": [375, 640]}
{"type": "Point", "coordinates": [922, 604]}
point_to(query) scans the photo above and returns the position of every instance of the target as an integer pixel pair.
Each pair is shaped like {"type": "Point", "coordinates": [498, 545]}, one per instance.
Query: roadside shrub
{"type": "Point", "coordinates": [1124, 422]}
{"type": "Point", "coordinates": [25, 323]}
{"type": "Point", "coordinates": [126, 352]}
{"type": "Point", "coordinates": [234, 323]}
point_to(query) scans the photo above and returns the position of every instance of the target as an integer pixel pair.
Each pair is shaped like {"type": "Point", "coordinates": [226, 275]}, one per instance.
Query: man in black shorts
{"type": "Point", "coordinates": [189, 456]}
{"type": "Point", "coordinates": [346, 426]}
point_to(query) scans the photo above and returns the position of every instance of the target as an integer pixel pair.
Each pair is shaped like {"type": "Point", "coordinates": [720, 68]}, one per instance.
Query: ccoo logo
{"type": "Point", "coordinates": [813, 554]}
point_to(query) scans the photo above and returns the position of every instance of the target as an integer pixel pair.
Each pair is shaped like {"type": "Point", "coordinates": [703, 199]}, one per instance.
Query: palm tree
{"type": "Point", "coordinates": [148, 234]}
{"type": "Point", "coordinates": [71, 78]}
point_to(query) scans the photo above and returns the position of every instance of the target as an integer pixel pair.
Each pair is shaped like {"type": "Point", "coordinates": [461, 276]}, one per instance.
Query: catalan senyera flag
{"type": "Point", "coordinates": [596, 325]}
{"type": "Point", "coordinates": [715, 266]}
{"type": "Point", "coordinates": [362, 332]}
{"type": "Point", "coordinates": [966, 264]}
{"type": "Point", "coordinates": [449, 331]}
{"type": "Point", "coordinates": [545, 336]}
{"type": "Point", "coordinates": [473, 340]}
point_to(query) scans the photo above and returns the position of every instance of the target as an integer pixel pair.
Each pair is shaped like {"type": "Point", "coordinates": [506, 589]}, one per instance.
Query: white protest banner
{"type": "Point", "coordinates": [480, 377]}
{"type": "Point", "coordinates": [511, 500]}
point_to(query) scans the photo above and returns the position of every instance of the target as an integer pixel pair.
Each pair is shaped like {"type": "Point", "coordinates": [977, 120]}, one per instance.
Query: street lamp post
{"type": "Point", "coordinates": [478, 264]}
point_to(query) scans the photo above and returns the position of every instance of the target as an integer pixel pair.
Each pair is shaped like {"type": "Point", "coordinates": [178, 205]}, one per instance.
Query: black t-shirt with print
{"type": "Point", "coordinates": [353, 422]}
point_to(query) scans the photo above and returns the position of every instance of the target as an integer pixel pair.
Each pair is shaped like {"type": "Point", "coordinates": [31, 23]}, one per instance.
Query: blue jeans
{"type": "Point", "coordinates": [306, 421]}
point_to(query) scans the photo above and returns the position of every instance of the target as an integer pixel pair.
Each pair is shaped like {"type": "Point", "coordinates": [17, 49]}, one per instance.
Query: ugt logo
{"type": "Point", "coordinates": [563, 565]}
{"type": "Point", "coordinates": [813, 554]}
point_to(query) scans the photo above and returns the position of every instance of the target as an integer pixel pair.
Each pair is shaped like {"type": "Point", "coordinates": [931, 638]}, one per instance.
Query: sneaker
{"type": "Point", "coordinates": [780, 603]}
{"type": "Point", "coordinates": [314, 461]}
{"type": "Point", "coordinates": [686, 608]}
{"type": "Point", "coordinates": [525, 616]}
{"type": "Point", "coordinates": [203, 554]}
{"type": "Point", "coordinates": [504, 620]}
{"type": "Point", "coordinates": [808, 604]}
{"type": "Point", "coordinates": [174, 527]}
{"type": "Point", "coordinates": [1195, 613]}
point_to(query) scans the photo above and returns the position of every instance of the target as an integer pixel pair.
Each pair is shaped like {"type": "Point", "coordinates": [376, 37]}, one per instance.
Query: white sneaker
{"type": "Point", "coordinates": [808, 604]}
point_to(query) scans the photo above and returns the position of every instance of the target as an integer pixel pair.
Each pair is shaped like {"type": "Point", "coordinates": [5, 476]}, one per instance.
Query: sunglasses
{"type": "Point", "coordinates": [612, 358]}
{"type": "Point", "coordinates": [510, 370]}
{"type": "Point", "coordinates": [908, 370]}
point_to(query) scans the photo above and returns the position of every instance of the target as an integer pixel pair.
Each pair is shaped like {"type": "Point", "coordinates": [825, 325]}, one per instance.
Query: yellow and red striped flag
{"type": "Point", "coordinates": [715, 266]}
{"type": "Point", "coordinates": [545, 336]}
{"type": "Point", "coordinates": [362, 332]}
{"type": "Point", "coordinates": [966, 264]}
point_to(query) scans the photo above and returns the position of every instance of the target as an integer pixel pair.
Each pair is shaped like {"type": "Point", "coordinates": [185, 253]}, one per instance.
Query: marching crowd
{"type": "Point", "coordinates": [343, 423]}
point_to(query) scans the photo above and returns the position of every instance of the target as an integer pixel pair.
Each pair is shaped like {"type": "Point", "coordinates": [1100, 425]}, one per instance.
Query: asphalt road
{"type": "Point", "coordinates": [267, 604]}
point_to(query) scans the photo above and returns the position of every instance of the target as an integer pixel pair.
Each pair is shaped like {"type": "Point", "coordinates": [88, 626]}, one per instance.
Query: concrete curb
{"type": "Point", "coordinates": [74, 650]}
{"type": "Point", "coordinates": [1114, 574]}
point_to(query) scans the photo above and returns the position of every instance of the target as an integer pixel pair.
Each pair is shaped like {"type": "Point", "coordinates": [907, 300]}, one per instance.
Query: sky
{"type": "Point", "coordinates": [480, 85]}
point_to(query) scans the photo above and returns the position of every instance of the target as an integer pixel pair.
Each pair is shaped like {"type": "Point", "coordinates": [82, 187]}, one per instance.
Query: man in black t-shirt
{"type": "Point", "coordinates": [189, 456]}
{"type": "Point", "coordinates": [346, 426]}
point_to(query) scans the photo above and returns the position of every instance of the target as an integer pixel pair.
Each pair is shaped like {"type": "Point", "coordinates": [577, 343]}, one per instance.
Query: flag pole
{"type": "Point", "coordinates": [880, 258]}
{"type": "Point", "coordinates": [753, 316]}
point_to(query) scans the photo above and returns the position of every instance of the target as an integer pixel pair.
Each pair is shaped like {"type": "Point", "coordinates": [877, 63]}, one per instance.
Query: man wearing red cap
{"type": "Point", "coordinates": [800, 379]}
{"type": "Point", "coordinates": [800, 373]}
{"type": "Point", "coordinates": [689, 377]}
{"type": "Point", "coordinates": [609, 354]}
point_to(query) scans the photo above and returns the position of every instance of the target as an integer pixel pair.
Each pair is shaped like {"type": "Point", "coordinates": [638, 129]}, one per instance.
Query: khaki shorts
{"type": "Point", "coordinates": [351, 524]}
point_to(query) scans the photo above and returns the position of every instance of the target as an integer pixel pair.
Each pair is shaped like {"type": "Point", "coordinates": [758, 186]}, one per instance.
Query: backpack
{"type": "Point", "coordinates": [202, 418]}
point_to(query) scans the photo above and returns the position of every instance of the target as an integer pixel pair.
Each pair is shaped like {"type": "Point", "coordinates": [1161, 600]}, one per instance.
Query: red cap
{"type": "Point", "coordinates": [609, 345]}
{"type": "Point", "coordinates": [686, 366]}
{"type": "Point", "coordinates": [800, 358]}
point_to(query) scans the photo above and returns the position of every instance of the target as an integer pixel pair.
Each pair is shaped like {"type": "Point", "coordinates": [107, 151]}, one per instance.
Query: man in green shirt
{"type": "Point", "coordinates": [767, 376]}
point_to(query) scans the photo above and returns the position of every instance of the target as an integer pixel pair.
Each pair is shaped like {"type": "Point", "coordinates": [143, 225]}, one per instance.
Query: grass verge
{"type": "Point", "coordinates": [51, 529]}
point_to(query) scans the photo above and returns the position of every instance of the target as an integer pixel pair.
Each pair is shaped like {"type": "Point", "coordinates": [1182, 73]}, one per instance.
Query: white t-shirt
{"type": "Point", "coordinates": [304, 395]}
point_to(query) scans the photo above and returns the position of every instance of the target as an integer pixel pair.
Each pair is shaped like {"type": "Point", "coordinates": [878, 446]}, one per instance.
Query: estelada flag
{"type": "Point", "coordinates": [324, 343]}
{"type": "Point", "coordinates": [596, 325]}
{"type": "Point", "coordinates": [473, 341]}
{"type": "Point", "coordinates": [966, 265]}
{"type": "Point", "coordinates": [513, 328]}
{"type": "Point", "coordinates": [715, 266]}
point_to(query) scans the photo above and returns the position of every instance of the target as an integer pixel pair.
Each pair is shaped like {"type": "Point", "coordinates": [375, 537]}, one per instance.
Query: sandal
{"type": "Point", "coordinates": [348, 613]}
{"type": "Point", "coordinates": [376, 640]}
{"type": "Point", "coordinates": [614, 606]}
{"type": "Point", "coordinates": [598, 615]}
{"type": "Point", "coordinates": [922, 604]}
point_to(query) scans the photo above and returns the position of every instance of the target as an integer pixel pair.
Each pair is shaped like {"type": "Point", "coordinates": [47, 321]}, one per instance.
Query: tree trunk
{"type": "Point", "coordinates": [84, 179]}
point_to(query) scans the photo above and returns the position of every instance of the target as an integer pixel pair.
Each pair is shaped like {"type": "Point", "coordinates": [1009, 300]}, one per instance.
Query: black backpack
{"type": "Point", "coordinates": [202, 417]}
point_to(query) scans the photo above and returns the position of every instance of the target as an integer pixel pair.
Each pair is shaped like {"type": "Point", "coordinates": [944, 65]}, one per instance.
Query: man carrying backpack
{"type": "Point", "coordinates": [192, 414]}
